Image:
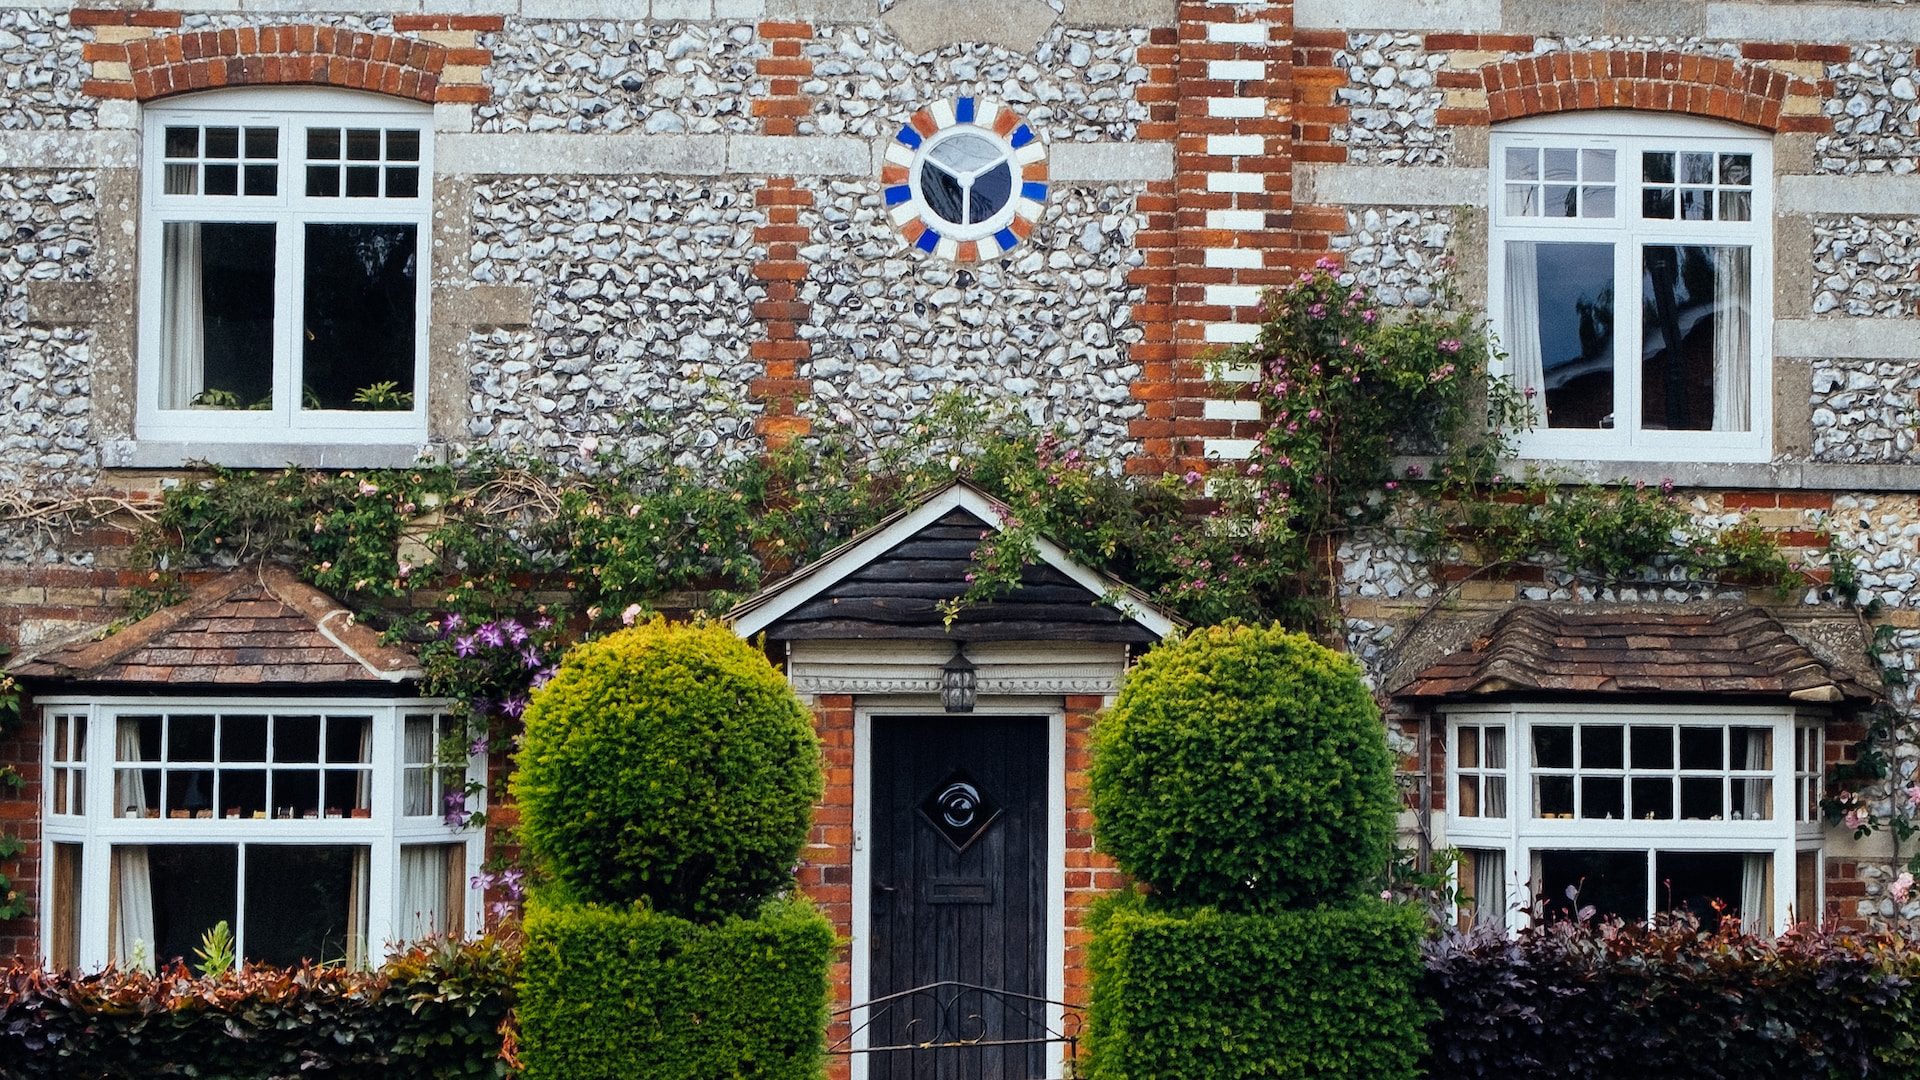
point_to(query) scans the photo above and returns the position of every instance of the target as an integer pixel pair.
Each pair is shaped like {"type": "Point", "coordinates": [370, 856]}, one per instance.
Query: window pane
{"type": "Point", "coordinates": [1710, 885]}
{"type": "Point", "coordinates": [223, 142]}
{"type": "Point", "coordinates": [1602, 747]}
{"type": "Point", "coordinates": [243, 738]}
{"type": "Point", "coordinates": [363, 145]}
{"type": "Point", "coordinates": [296, 738]}
{"type": "Point", "coordinates": [360, 318]}
{"type": "Point", "coordinates": [1469, 747]}
{"type": "Point", "coordinates": [1653, 798]}
{"type": "Point", "coordinates": [1561, 200]}
{"type": "Point", "coordinates": [263, 142]}
{"type": "Point", "coordinates": [1700, 748]}
{"type": "Point", "coordinates": [1736, 169]}
{"type": "Point", "coordinates": [1597, 166]}
{"type": "Point", "coordinates": [190, 738]}
{"type": "Point", "coordinates": [216, 334]}
{"type": "Point", "coordinates": [323, 144]}
{"type": "Point", "coordinates": [1523, 163]}
{"type": "Point", "coordinates": [323, 180]}
{"type": "Point", "coordinates": [1752, 800]}
{"type": "Point", "coordinates": [432, 890]}
{"type": "Point", "coordinates": [1696, 168]}
{"type": "Point", "coordinates": [189, 793]}
{"type": "Point", "coordinates": [1560, 325]}
{"type": "Point", "coordinates": [1613, 882]}
{"type": "Point", "coordinates": [1653, 748]}
{"type": "Point", "coordinates": [182, 142]}
{"type": "Point", "coordinates": [1603, 797]}
{"type": "Point", "coordinates": [1553, 747]}
{"type": "Point", "coordinates": [1750, 748]}
{"type": "Point", "coordinates": [403, 146]}
{"type": "Point", "coordinates": [1469, 797]}
{"type": "Point", "coordinates": [349, 738]}
{"type": "Point", "coordinates": [63, 913]}
{"type": "Point", "coordinates": [403, 183]}
{"type": "Point", "coordinates": [1806, 892]}
{"type": "Point", "coordinates": [190, 888]}
{"type": "Point", "coordinates": [1700, 798]}
{"type": "Point", "coordinates": [243, 794]}
{"type": "Point", "coordinates": [305, 903]}
{"type": "Point", "coordinates": [263, 179]}
{"type": "Point", "coordinates": [363, 181]}
{"type": "Point", "coordinates": [1596, 202]}
{"type": "Point", "coordinates": [1656, 167]}
{"type": "Point", "coordinates": [1562, 164]}
{"type": "Point", "coordinates": [296, 793]}
{"type": "Point", "coordinates": [1496, 748]}
{"type": "Point", "coordinates": [1553, 796]}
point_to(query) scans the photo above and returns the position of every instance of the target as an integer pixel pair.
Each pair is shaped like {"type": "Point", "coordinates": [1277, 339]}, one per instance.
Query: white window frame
{"type": "Point", "coordinates": [290, 109]}
{"type": "Point", "coordinates": [98, 829]}
{"type": "Point", "coordinates": [1519, 835]}
{"type": "Point", "coordinates": [1629, 134]}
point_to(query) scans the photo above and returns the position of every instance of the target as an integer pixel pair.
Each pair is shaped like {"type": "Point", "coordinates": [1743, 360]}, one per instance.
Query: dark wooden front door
{"type": "Point", "coordinates": [959, 861]}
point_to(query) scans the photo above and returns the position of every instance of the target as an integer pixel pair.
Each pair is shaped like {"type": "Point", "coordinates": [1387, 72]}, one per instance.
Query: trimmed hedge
{"type": "Point", "coordinates": [1216, 996]}
{"type": "Point", "coordinates": [1245, 769]}
{"type": "Point", "coordinates": [619, 994]}
{"type": "Point", "coordinates": [1672, 1002]}
{"type": "Point", "coordinates": [669, 763]}
{"type": "Point", "coordinates": [434, 1013]}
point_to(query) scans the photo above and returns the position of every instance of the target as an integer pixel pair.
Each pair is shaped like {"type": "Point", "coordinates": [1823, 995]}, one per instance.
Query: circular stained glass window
{"type": "Point", "coordinates": [965, 180]}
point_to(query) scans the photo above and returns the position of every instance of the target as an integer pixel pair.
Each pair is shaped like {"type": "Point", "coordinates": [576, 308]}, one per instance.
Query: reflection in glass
{"type": "Point", "coordinates": [216, 315]}
{"type": "Point", "coordinates": [1560, 330]}
{"type": "Point", "coordinates": [358, 350]}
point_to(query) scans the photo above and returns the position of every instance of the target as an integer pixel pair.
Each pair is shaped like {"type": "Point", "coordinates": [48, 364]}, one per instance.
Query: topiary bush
{"type": "Point", "coordinates": [618, 994]}
{"type": "Point", "coordinates": [1245, 768]}
{"type": "Point", "coordinates": [667, 763]}
{"type": "Point", "coordinates": [1205, 995]}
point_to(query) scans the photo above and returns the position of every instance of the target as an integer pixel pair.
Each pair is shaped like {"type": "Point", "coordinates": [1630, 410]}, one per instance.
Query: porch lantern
{"type": "Point", "coordinates": [958, 684]}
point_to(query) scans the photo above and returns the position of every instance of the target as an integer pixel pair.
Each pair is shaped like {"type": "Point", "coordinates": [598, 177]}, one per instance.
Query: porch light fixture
{"type": "Point", "coordinates": [958, 685]}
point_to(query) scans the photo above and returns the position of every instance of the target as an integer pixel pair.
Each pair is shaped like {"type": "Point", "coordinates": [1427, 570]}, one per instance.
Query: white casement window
{"type": "Point", "coordinates": [1631, 277]}
{"type": "Point", "coordinates": [315, 828]}
{"type": "Point", "coordinates": [1638, 809]}
{"type": "Point", "coordinates": [283, 267]}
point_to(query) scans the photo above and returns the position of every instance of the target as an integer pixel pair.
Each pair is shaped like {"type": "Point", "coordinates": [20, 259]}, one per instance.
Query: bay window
{"type": "Point", "coordinates": [1636, 810]}
{"type": "Point", "coordinates": [297, 822]}
{"type": "Point", "coordinates": [283, 256]}
{"type": "Point", "coordinates": [1631, 277]}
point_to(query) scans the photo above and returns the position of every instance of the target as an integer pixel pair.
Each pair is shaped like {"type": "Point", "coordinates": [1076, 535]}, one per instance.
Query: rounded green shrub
{"type": "Point", "coordinates": [667, 763]}
{"type": "Point", "coordinates": [1246, 769]}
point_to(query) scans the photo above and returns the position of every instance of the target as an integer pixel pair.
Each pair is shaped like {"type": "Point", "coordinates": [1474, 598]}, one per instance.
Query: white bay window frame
{"type": "Point", "coordinates": [290, 111]}
{"type": "Point", "coordinates": [1521, 835]}
{"type": "Point", "coordinates": [1629, 135]}
{"type": "Point", "coordinates": [100, 825]}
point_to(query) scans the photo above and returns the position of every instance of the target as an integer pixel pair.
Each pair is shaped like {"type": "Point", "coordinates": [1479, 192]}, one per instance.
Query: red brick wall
{"type": "Point", "coordinates": [155, 66]}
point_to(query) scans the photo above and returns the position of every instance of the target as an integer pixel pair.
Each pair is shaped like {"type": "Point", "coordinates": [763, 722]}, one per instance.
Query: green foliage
{"type": "Point", "coordinates": [1245, 768]}
{"type": "Point", "coordinates": [13, 904]}
{"type": "Point", "coordinates": [614, 994]}
{"type": "Point", "coordinates": [434, 1012]}
{"type": "Point", "coordinates": [383, 397]}
{"type": "Point", "coordinates": [669, 763]}
{"type": "Point", "coordinates": [216, 950]}
{"type": "Point", "coordinates": [1598, 532]}
{"type": "Point", "coordinates": [1292, 994]}
{"type": "Point", "coordinates": [1671, 1001]}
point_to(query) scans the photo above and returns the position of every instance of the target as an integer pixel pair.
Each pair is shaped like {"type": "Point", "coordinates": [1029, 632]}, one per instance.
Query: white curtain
{"type": "Point", "coordinates": [1490, 887]}
{"type": "Point", "coordinates": [1756, 893]}
{"type": "Point", "coordinates": [183, 323]}
{"type": "Point", "coordinates": [132, 885]}
{"type": "Point", "coordinates": [1522, 338]}
{"type": "Point", "coordinates": [424, 906]}
{"type": "Point", "coordinates": [357, 899]}
{"type": "Point", "coordinates": [418, 793]}
{"type": "Point", "coordinates": [1732, 338]}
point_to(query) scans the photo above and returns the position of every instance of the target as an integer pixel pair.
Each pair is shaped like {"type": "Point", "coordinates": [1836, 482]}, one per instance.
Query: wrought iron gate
{"type": "Point", "coordinates": [950, 1019]}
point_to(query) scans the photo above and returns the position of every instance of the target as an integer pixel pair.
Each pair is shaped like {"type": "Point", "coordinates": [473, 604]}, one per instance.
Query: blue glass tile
{"type": "Point", "coordinates": [1033, 190]}
{"type": "Point", "coordinates": [909, 136]}
{"type": "Point", "coordinates": [1006, 238]}
{"type": "Point", "coordinates": [963, 110]}
{"type": "Point", "coordinates": [928, 240]}
{"type": "Point", "coordinates": [898, 194]}
{"type": "Point", "coordinates": [1022, 135]}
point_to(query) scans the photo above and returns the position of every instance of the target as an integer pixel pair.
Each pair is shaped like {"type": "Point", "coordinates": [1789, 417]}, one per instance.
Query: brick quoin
{"type": "Point", "coordinates": [780, 387]}
{"type": "Point", "coordinates": [785, 70]}
{"type": "Point", "coordinates": [826, 862]}
{"type": "Point", "coordinates": [159, 66]}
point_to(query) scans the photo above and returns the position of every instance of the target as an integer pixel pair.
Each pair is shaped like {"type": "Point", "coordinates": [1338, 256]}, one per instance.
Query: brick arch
{"type": "Point", "coordinates": [1656, 81]}
{"type": "Point", "coordinates": [295, 55]}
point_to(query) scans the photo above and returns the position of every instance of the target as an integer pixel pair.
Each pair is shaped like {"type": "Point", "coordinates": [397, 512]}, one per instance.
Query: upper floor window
{"type": "Point", "coordinates": [283, 266]}
{"type": "Point", "coordinates": [1592, 212]}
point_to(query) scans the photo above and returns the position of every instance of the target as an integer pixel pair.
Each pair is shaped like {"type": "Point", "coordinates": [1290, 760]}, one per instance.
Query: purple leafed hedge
{"type": "Point", "coordinates": [1670, 1000]}
{"type": "Point", "coordinates": [432, 1013]}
